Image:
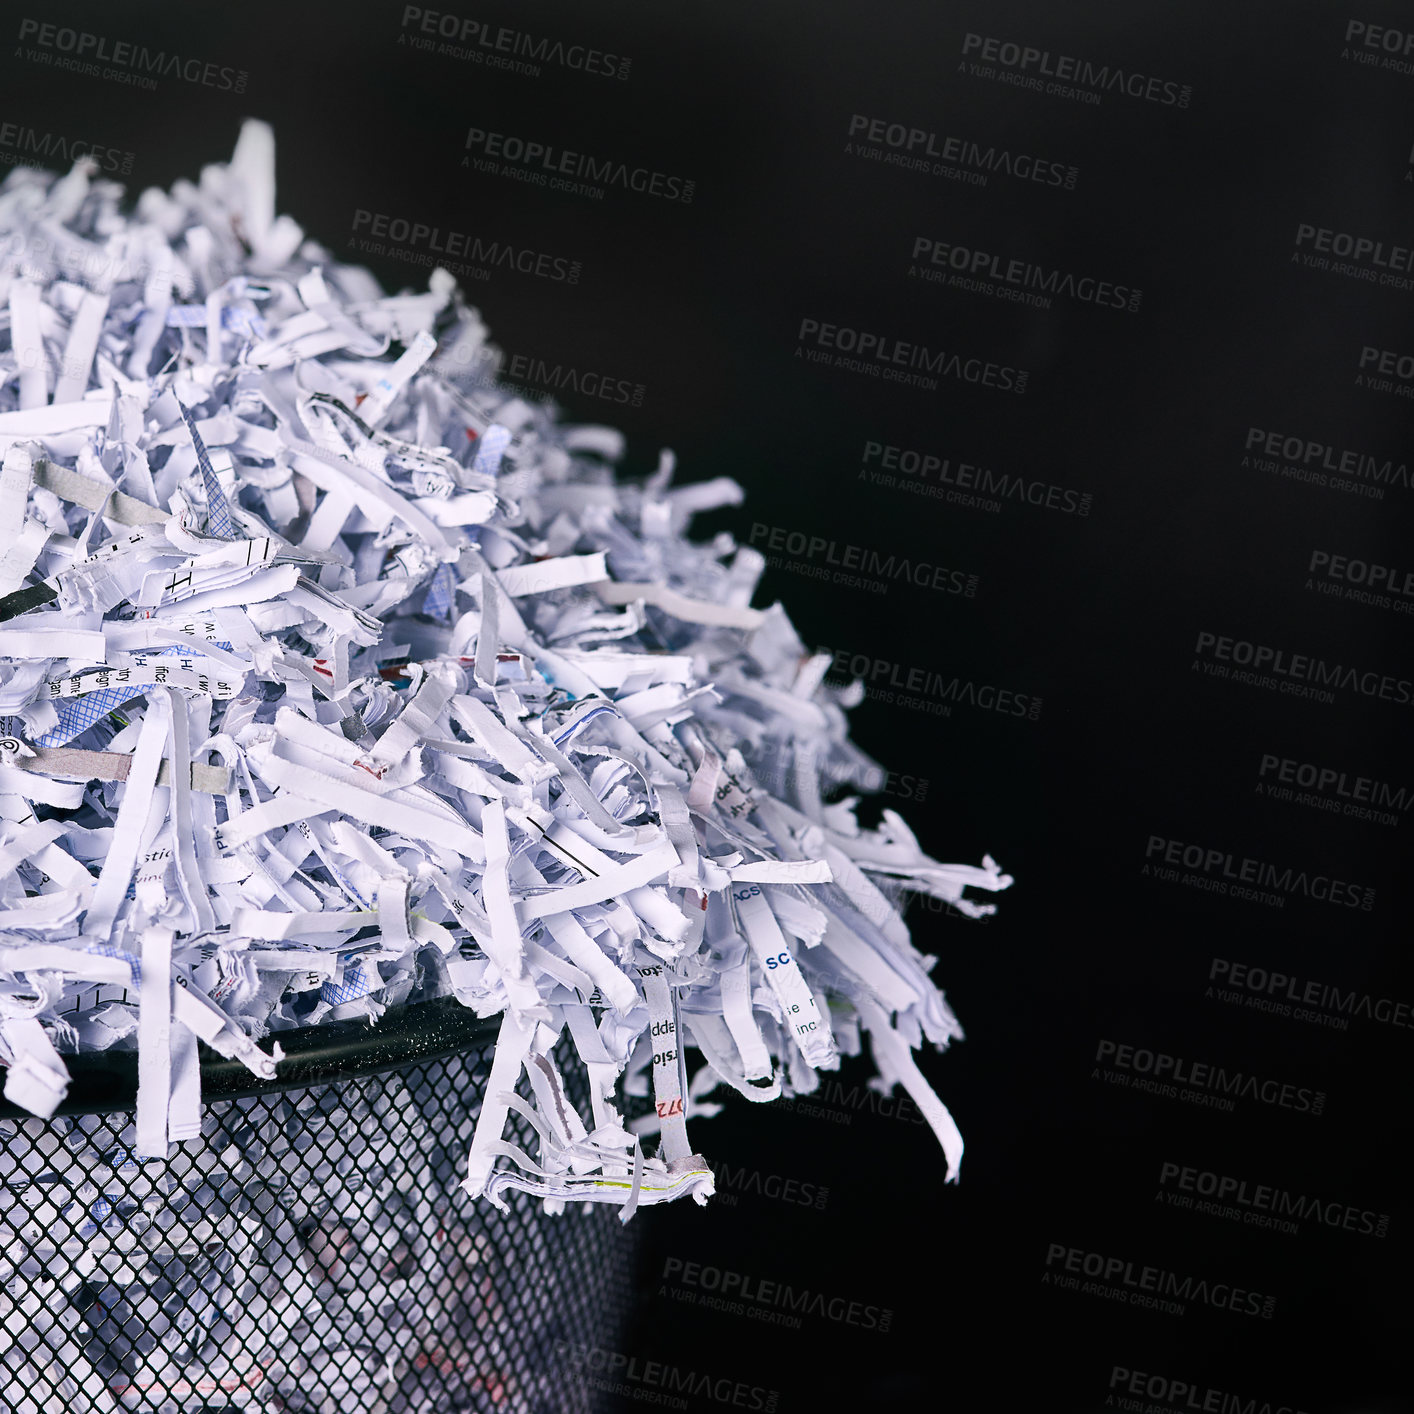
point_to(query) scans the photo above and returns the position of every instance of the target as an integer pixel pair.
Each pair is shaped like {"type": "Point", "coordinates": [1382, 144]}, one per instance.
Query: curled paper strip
{"type": "Point", "coordinates": [334, 677]}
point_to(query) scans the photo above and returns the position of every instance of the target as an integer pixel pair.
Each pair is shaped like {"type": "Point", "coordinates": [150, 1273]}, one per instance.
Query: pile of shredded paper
{"type": "Point", "coordinates": [334, 676]}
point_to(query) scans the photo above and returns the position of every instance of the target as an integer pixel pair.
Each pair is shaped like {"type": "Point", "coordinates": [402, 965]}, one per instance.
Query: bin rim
{"type": "Point", "coordinates": [105, 1082]}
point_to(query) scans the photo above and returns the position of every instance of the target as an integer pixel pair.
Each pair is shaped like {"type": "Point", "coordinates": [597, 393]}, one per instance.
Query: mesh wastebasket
{"type": "Point", "coordinates": [311, 1253]}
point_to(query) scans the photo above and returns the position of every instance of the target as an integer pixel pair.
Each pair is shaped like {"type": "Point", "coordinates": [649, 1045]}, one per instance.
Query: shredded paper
{"type": "Point", "coordinates": [336, 676]}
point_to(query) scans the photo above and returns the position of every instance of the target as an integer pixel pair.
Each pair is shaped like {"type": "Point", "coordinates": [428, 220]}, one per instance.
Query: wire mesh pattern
{"type": "Point", "coordinates": [310, 1254]}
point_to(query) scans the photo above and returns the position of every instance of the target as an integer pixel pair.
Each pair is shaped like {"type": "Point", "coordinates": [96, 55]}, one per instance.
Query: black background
{"type": "Point", "coordinates": [1148, 412]}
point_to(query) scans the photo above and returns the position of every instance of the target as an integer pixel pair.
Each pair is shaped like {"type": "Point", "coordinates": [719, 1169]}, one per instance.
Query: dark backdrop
{"type": "Point", "coordinates": [1125, 526]}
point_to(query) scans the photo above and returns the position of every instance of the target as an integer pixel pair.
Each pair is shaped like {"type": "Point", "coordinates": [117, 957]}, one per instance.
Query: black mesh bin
{"type": "Point", "coordinates": [310, 1254]}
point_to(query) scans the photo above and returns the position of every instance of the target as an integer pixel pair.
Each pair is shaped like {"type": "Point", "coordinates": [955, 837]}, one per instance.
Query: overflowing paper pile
{"type": "Point", "coordinates": [334, 676]}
